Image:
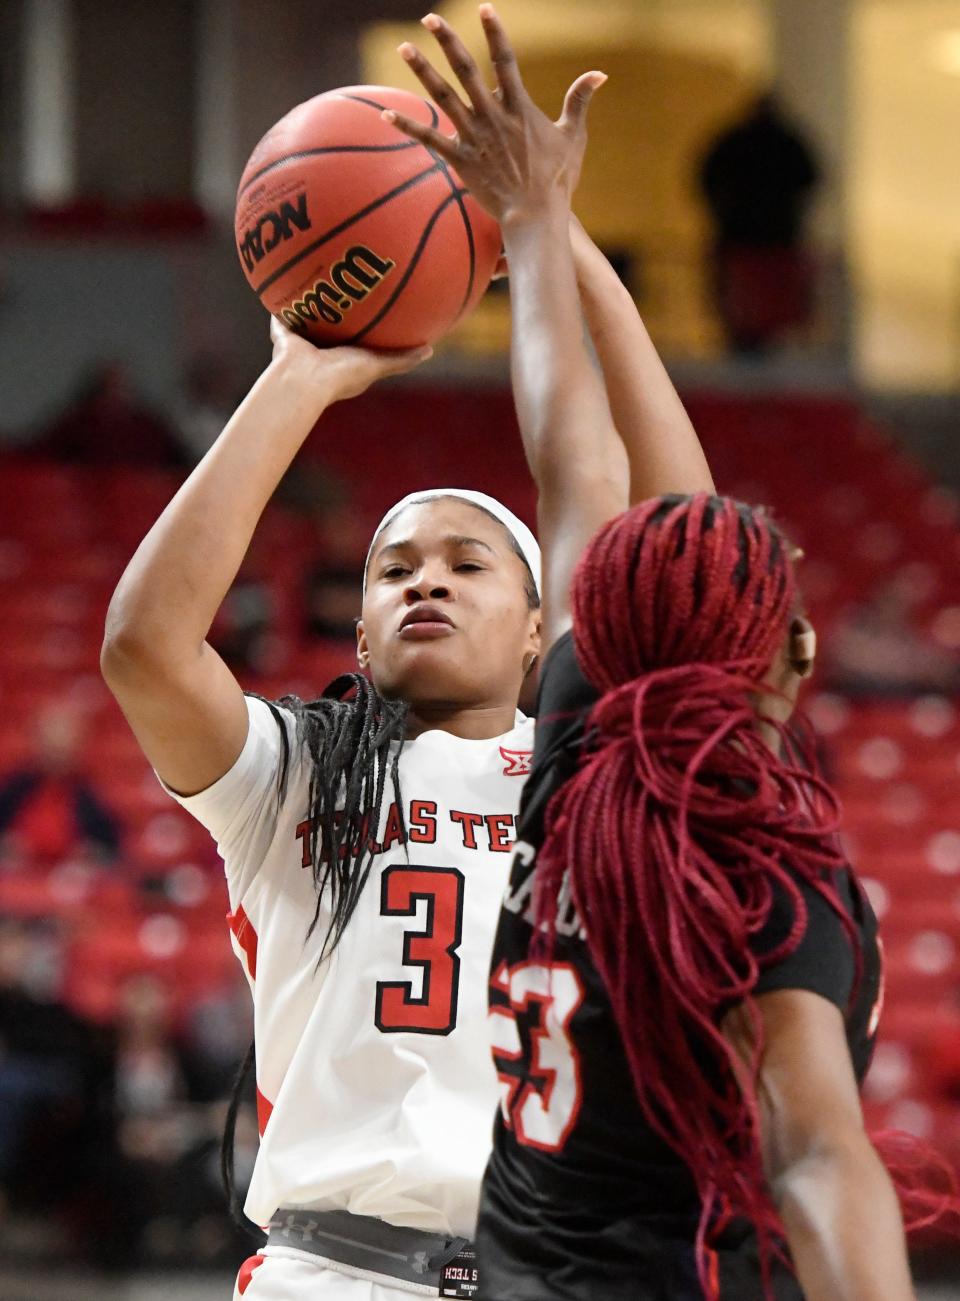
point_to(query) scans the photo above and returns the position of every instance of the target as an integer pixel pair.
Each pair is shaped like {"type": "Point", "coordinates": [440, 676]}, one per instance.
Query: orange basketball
{"type": "Point", "coordinates": [349, 232]}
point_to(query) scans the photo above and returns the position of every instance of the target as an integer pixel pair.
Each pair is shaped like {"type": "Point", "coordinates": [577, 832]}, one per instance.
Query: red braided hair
{"type": "Point", "coordinates": [675, 831]}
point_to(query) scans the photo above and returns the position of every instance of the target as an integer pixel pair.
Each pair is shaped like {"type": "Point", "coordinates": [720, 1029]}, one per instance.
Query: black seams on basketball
{"type": "Point", "coordinates": [350, 232]}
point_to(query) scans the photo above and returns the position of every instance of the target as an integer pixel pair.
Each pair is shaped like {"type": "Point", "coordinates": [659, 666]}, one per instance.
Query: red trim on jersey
{"type": "Point", "coordinates": [242, 928]}
{"type": "Point", "coordinates": [246, 1272]}
{"type": "Point", "coordinates": [877, 1011]}
{"type": "Point", "coordinates": [713, 1271]}
{"type": "Point", "coordinates": [264, 1111]}
{"type": "Point", "coordinates": [721, 1220]}
{"type": "Point", "coordinates": [509, 1084]}
{"type": "Point", "coordinates": [501, 980]}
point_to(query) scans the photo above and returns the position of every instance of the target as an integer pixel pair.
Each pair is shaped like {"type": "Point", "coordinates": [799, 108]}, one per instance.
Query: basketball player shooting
{"type": "Point", "coordinates": [365, 836]}
{"type": "Point", "coordinates": [686, 979]}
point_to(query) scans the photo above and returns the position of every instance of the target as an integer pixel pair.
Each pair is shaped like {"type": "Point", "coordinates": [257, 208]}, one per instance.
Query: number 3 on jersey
{"type": "Point", "coordinates": [541, 1109]}
{"type": "Point", "coordinates": [433, 949]}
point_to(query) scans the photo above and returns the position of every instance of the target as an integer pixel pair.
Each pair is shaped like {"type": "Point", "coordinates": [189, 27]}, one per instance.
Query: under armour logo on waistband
{"type": "Point", "coordinates": [296, 1228]}
{"type": "Point", "coordinates": [420, 1261]}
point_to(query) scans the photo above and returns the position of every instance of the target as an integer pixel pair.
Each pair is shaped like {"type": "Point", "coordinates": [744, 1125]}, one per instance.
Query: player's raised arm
{"type": "Point", "coordinates": [522, 167]}
{"type": "Point", "coordinates": [662, 445]}
{"type": "Point", "coordinates": [833, 1194]}
{"type": "Point", "coordinates": [182, 702]}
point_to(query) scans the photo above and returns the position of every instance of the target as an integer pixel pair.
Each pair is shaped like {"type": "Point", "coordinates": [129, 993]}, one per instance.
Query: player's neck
{"type": "Point", "coordinates": [478, 723]}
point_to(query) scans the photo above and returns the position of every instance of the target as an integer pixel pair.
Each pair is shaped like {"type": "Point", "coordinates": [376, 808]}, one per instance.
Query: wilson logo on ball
{"type": "Point", "coordinates": [350, 280]}
{"type": "Point", "coordinates": [277, 226]}
{"type": "Point", "coordinates": [332, 180]}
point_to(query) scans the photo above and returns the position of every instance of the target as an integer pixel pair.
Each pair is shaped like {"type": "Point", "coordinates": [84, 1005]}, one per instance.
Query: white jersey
{"type": "Point", "coordinates": [375, 1084]}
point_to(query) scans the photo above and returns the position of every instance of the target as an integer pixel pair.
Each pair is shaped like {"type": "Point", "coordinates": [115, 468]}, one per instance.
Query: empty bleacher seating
{"type": "Point", "coordinates": [864, 514]}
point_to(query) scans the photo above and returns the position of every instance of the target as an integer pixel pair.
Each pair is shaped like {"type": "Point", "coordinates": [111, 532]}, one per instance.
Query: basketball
{"type": "Point", "coordinates": [350, 232]}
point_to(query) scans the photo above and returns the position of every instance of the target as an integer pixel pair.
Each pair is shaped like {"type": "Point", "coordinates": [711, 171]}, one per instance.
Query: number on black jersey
{"type": "Point", "coordinates": [542, 1110]}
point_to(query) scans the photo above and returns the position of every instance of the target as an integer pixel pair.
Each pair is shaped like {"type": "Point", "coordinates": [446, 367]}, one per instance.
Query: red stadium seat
{"type": "Point", "coordinates": [866, 516]}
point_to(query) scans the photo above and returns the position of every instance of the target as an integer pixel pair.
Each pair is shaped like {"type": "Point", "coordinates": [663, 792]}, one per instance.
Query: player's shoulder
{"type": "Point", "coordinates": [270, 718]}
{"type": "Point", "coordinates": [563, 683]}
{"type": "Point", "coordinates": [564, 701]}
{"type": "Point", "coordinates": [274, 733]}
{"type": "Point", "coordinates": [836, 922]}
{"type": "Point", "coordinates": [449, 759]}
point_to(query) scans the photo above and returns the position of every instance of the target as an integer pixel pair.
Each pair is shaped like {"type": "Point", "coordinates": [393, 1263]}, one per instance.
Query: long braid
{"type": "Point", "coordinates": [348, 743]}
{"type": "Point", "coordinates": [352, 738]}
{"type": "Point", "coordinates": [681, 823]}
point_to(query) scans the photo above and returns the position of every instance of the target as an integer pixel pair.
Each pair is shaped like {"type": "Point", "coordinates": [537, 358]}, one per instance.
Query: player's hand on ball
{"type": "Point", "coordinates": [350, 370]}
{"type": "Point", "coordinates": [502, 270]}
{"type": "Point", "coordinates": [508, 153]}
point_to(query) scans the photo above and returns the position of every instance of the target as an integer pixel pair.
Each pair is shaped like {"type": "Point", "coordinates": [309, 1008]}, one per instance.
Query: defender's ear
{"type": "Point", "coordinates": [803, 646]}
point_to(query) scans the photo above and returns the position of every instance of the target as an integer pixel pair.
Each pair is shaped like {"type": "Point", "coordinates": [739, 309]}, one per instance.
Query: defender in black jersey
{"type": "Point", "coordinates": [708, 879]}
{"type": "Point", "coordinates": [581, 1198]}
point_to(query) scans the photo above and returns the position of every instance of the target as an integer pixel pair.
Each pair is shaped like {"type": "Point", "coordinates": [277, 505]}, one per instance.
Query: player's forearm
{"type": "Point", "coordinates": [662, 446]}
{"type": "Point", "coordinates": [182, 570]}
{"type": "Point", "coordinates": [844, 1226]}
{"type": "Point", "coordinates": [561, 403]}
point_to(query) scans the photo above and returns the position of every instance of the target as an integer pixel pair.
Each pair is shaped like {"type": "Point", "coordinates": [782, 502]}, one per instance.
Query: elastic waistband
{"type": "Point", "coordinates": [364, 1242]}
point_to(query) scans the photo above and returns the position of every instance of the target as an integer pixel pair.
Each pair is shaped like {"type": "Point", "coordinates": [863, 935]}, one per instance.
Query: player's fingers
{"type": "Point", "coordinates": [282, 337]}
{"type": "Point", "coordinates": [398, 363]}
{"type": "Point", "coordinates": [439, 90]}
{"type": "Point", "coordinates": [502, 269]}
{"type": "Point", "coordinates": [509, 81]}
{"type": "Point", "coordinates": [577, 101]}
{"type": "Point", "coordinates": [461, 61]}
{"type": "Point", "coordinates": [445, 146]}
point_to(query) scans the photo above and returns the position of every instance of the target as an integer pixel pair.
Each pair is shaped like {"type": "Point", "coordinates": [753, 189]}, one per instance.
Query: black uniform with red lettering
{"type": "Point", "coordinates": [581, 1199]}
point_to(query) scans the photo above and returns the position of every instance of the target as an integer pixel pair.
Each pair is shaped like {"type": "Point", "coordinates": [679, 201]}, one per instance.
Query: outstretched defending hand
{"type": "Point", "coordinates": [350, 371]}
{"type": "Point", "coordinates": [511, 157]}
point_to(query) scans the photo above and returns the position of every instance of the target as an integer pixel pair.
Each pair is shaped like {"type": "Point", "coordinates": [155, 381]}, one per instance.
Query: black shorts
{"type": "Point", "coordinates": [648, 1258]}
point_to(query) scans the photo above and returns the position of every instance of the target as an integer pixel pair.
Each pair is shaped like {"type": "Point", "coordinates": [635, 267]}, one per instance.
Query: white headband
{"type": "Point", "coordinates": [516, 528]}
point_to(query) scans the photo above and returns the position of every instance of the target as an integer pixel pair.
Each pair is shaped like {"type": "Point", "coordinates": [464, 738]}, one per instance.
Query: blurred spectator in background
{"type": "Point", "coordinates": [150, 1073]}
{"type": "Point", "coordinates": [152, 1130]}
{"type": "Point", "coordinates": [213, 392]}
{"type": "Point", "coordinates": [108, 424]}
{"type": "Point", "coordinates": [332, 601]}
{"type": "Point", "coordinates": [333, 586]}
{"type": "Point", "coordinates": [49, 809]}
{"type": "Point", "coordinates": [54, 1079]}
{"type": "Point", "coordinates": [163, 1179]}
{"type": "Point", "coordinates": [243, 630]}
{"type": "Point", "coordinates": [220, 1027]}
{"type": "Point", "coordinates": [758, 179]}
{"type": "Point", "coordinates": [876, 650]}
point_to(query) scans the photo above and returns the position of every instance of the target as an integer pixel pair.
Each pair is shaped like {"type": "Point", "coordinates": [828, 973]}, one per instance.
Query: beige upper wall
{"type": "Point", "coordinates": [729, 29]}
{"type": "Point", "coordinates": [667, 96]}
{"type": "Point", "coordinates": [905, 191]}
{"type": "Point", "coordinates": [903, 179]}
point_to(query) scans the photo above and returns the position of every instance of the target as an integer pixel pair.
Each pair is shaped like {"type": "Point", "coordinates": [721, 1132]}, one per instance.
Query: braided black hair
{"type": "Point", "coordinates": [347, 736]}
